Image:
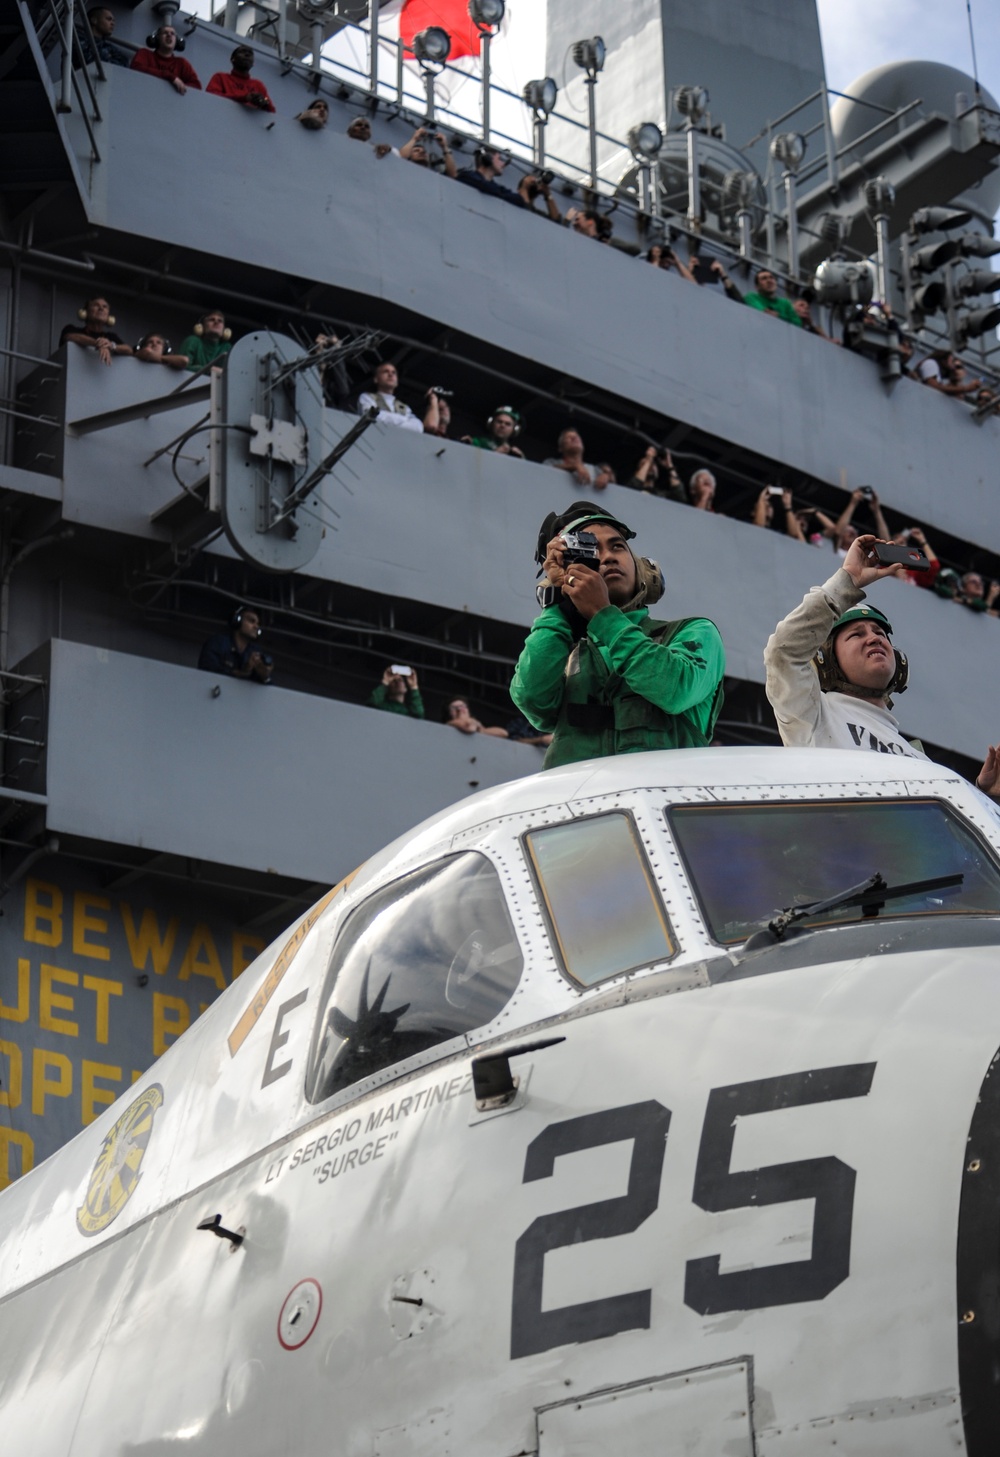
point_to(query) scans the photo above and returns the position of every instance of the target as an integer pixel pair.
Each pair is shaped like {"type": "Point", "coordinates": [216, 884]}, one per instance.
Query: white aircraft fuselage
{"type": "Point", "coordinates": [517, 1143]}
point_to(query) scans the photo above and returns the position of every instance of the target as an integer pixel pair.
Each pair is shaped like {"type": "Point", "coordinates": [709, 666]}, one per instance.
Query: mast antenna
{"type": "Point", "coordinates": [972, 45]}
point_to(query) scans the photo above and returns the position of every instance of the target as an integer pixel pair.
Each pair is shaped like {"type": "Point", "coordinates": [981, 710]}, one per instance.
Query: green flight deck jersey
{"type": "Point", "coordinates": [631, 683]}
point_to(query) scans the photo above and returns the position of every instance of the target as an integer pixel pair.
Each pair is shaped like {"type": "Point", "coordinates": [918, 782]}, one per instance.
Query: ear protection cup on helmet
{"type": "Point", "coordinates": [199, 328]}
{"type": "Point", "coordinates": [82, 314]}
{"type": "Point", "coordinates": [506, 410]}
{"type": "Point", "coordinates": [832, 680]}
{"type": "Point", "coordinates": [153, 39]}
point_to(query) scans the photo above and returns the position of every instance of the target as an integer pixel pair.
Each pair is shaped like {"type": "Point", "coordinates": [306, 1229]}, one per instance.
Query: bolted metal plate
{"type": "Point", "coordinates": [264, 463]}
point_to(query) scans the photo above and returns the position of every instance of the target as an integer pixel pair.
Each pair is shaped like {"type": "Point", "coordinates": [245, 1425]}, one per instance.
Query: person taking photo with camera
{"type": "Point", "coordinates": [398, 692]}
{"type": "Point", "coordinates": [597, 671]}
{"type": "Point", "coordinates": [832, 669]}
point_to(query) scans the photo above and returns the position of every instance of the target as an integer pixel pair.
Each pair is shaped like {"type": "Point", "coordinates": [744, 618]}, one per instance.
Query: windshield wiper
{"type": "Point", "coordinates": [871, 895]}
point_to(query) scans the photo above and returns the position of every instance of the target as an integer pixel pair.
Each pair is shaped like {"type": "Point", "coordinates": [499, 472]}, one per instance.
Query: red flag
{"type": "Point", "coordinates": [452, 15]}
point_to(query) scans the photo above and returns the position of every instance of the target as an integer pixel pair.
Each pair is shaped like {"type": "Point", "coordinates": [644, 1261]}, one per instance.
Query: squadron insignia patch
{"type": "Point", "coordinates": [116, 1169]}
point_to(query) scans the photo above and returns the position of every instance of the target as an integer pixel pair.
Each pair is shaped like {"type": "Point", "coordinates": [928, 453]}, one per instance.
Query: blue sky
{"type": "Point", "coordinates": [859, 34]}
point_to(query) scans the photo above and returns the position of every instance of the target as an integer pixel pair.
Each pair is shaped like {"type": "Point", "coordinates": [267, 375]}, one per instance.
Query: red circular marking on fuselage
{"type": "Point", "coordinates": [298, 1344]}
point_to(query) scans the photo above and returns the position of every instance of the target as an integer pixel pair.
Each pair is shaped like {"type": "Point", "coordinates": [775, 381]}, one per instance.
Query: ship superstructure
{"type": "Point", "coordinates": [161, 824]}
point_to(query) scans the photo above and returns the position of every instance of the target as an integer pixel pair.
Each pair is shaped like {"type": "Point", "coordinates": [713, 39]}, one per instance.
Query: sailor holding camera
{"type": "Point", "coordinates": [597, 671]}
{"type": "Point", "coordinates": [832, 669]}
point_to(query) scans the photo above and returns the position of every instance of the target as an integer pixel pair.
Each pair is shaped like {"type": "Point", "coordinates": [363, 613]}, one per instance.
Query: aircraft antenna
{"type": "Point", "coordinates": [972, 46]}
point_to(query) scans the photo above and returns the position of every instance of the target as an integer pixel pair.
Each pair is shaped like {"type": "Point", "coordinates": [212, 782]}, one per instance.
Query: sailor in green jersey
{"type": "Point", "coordinates": [597, 671]}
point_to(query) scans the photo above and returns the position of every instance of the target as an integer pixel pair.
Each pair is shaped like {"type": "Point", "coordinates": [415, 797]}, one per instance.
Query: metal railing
{"type": "Point", "coordinates": [66, 29]}
{"type": "Point", "coordinates": [407, 100]}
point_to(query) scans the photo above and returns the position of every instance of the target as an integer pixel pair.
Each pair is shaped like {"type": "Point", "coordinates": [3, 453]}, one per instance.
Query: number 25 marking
{"type": "Point", "coordinates": [828, 1181]}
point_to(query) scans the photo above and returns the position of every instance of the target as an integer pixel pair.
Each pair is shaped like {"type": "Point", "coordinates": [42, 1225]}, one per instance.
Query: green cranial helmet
{"type": "Point", "coordinates": [649, 577]}
{"type": "Point", "coordinates": [832, 680]}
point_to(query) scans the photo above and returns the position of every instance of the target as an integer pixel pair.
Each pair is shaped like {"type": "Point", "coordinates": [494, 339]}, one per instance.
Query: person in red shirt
{"type": "Point", "coordinates": [161, 61]}
{"type": "Point", "coordinates": [239, 85]}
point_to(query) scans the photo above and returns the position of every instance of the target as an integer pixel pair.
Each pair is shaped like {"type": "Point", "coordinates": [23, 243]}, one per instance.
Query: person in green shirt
{"type": "Point", "coordinates": [209, 344]}
{"type": "Point", "coordinates": [502, 427]}
{"type": "Point", "coordinates": [596, 670]}
{"type": "Point", "coordinates": [767, 301]}
{"type": "Point", "coordinates": [398, 692]}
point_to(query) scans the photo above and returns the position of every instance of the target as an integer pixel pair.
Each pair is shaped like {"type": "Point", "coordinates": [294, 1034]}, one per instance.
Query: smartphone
{"type": "Point", "coordinates": [886, 555]}
{"type": "Point", "coordinates": [401, 670]}
{"type": "Point", "coordinates": [703, 272]}
{"type": "Point", "coordinates": [775, 490]}
{"type": "Point", "coordinates": [867, 491]}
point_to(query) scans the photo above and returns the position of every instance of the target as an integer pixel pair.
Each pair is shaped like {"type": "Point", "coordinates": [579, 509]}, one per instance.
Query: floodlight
{"type": "Point", "coordinates": [739, 188]}
{"type": "Point", "coordinates": [933, 255]}
{"type": "Point", "coordinates": [692, 102]}
{"type": "Point", "coordinates": [487, 13]}
{"type": "Point", "coordinates": [978, 245]}
{"type": "Point", "coordinates": [980, 280]}
{"type": "Point", "coordinates": [541, 95]}
{"type": "Point", "coordinates": [645, 141]}
{"type": "Point", "coordinates": [844, 281]}
{"type": "Point", "coordinates": [979, 321]}
{"type": "Point", "coordinates": [929, 298]}
{"type": "Point", "coordinates": [590, 54]}
{"type": "Point", "coordinates": [938, 219]}
{"type": "Point", "coordinates": [833, 229]}
{"type": "Point", "coordinates": [789, 148]}
{"type": "Point", "coordinates": [879, 195]}
{"type": "Point", "coordinates": [432, 46]}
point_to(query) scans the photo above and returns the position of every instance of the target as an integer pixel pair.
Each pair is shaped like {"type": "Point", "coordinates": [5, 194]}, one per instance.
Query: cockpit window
{"type": "Point", "coordinates": [425, 959]}
{"type": "Point", "coordinates": [747, 861]}
{"type": "Point", "coordinates": [604, 911]}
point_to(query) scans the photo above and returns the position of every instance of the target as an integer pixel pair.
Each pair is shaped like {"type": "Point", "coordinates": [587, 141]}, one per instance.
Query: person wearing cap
{"type": "Point", "coordinates": [502, 426]}
{"type": "Point", "coordinates": [831, 669]}
{"type": "Point", "coordinates": [596, 671]}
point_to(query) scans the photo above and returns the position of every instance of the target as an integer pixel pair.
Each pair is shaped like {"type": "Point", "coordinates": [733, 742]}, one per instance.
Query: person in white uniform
{"type": "Point", "coordinates": [391, 409]}
{"type": "Point", "coordinates": [832, 669]}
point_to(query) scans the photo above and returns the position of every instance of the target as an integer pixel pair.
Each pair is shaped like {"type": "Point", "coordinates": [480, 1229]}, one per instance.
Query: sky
{"type": "Point", "coordinates": [895, 30]}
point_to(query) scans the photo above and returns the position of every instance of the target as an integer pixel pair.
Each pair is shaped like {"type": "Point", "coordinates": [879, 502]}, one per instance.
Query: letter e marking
{"type": "Point", "coordinates": [278, 1040]}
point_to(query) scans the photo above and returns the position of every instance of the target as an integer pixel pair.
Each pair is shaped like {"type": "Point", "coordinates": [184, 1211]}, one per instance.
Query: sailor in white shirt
{"type": "Point", "coordinates": [391, 411]}
{"type": "Point", "coordinates": [832, 668]}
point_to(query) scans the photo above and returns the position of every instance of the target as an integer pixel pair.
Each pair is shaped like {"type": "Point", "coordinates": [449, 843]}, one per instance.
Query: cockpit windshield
{"type": "Point", "coordinates": [424, 959]}
{"type": "Point", "coordinates": [747, 861]}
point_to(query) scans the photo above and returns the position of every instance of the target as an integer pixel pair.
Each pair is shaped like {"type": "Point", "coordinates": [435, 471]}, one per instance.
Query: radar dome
{"type": "Point", "coordinates": [937, 86]}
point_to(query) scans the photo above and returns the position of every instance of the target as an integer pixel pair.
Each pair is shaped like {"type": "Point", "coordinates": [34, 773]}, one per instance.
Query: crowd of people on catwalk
{"type": "Point", "coordinates": [428, 147]}
{"type": "Point", "coordinates": [654, 472]}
